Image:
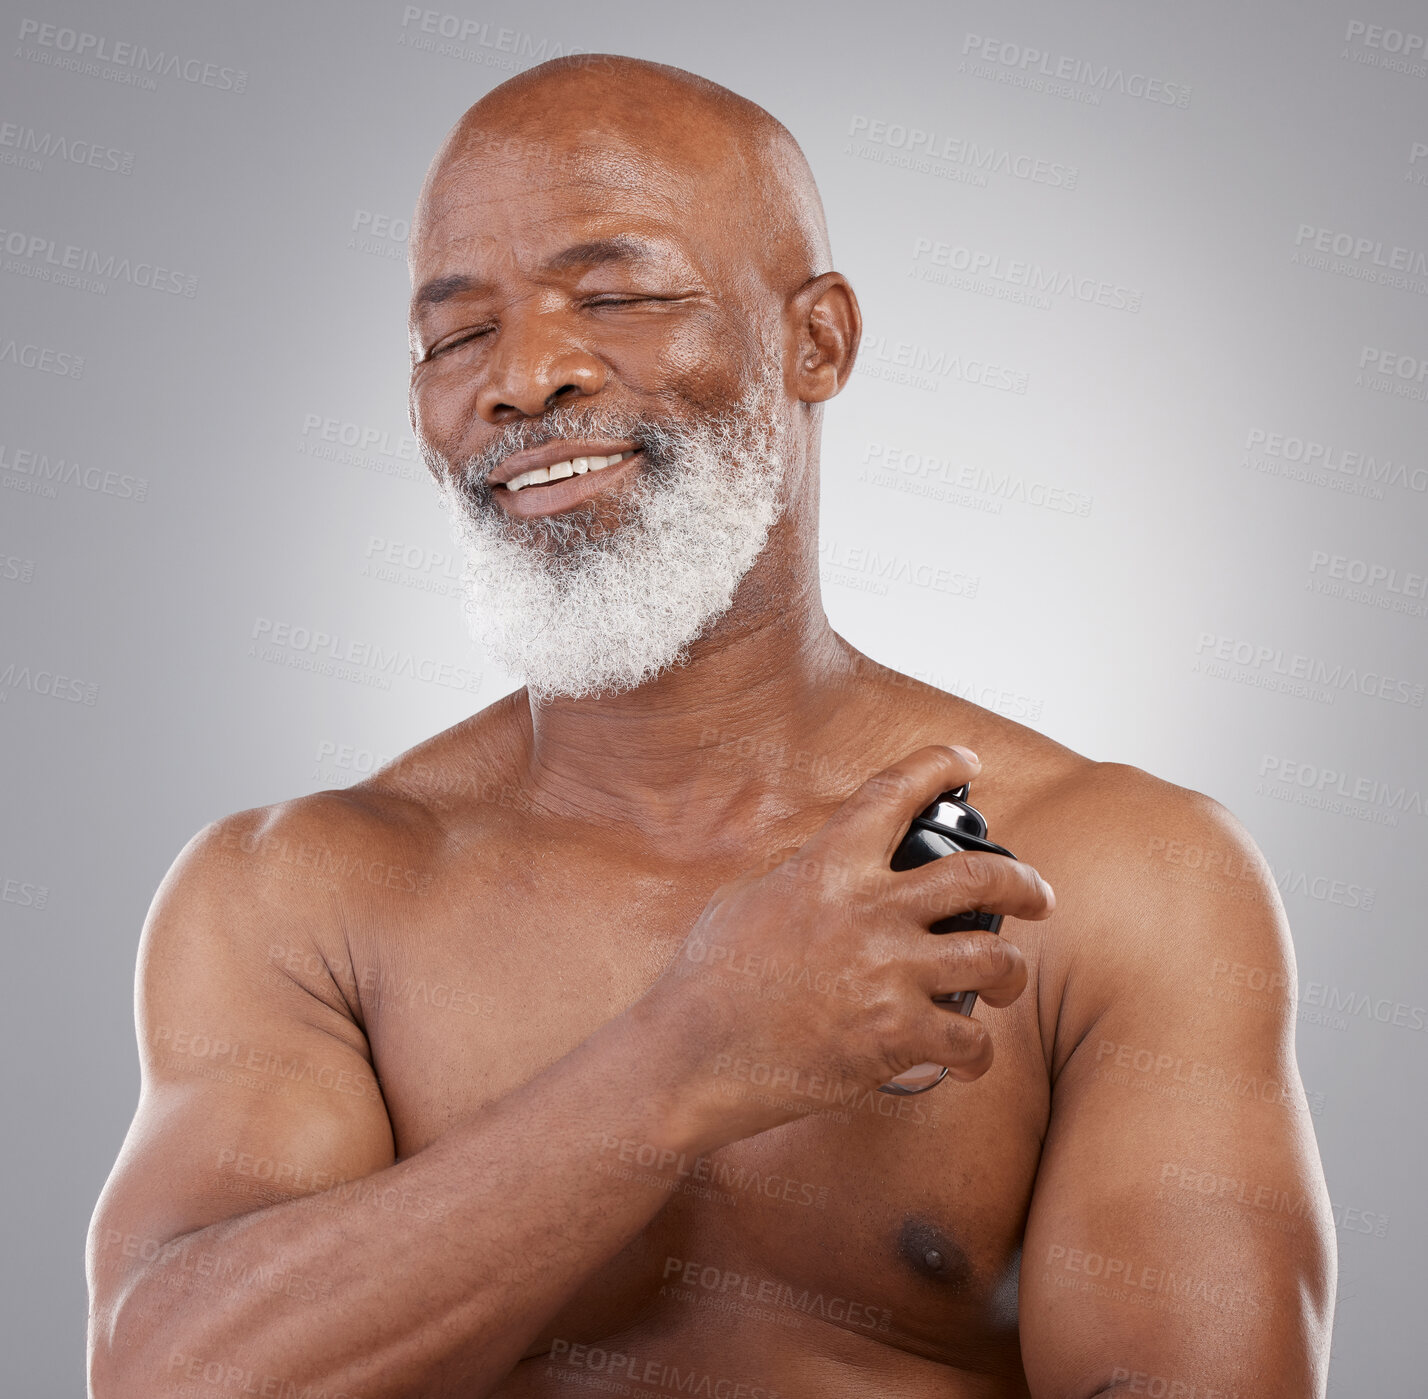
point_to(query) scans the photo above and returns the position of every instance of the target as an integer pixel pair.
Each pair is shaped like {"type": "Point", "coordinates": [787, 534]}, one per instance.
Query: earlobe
{"type": "Point", "coordinates": [829, 328]}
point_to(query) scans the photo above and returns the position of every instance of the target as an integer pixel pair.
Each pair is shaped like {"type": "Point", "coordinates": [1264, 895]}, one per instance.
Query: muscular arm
{"type": "Point", "coordinates": [360, 1275]}
{"type": "Point", "coordinates": [1180, 1240]}
{"type": "Point", "coordinates": [257, 1228]}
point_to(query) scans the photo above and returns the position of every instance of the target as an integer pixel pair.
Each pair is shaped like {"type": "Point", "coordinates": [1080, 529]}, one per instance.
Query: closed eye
{"type": "Point", "coordinates": [633, 300]}
{"type": "Point", "coordinates": [460, 340]}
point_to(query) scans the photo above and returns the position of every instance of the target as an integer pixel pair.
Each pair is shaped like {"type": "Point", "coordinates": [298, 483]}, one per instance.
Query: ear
{"type": "Point", "coordinates": [823, 328]}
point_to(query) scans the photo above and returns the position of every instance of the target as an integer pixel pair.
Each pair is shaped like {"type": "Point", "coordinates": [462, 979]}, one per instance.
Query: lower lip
{"type": "Point", "coordinates": [530, 502]}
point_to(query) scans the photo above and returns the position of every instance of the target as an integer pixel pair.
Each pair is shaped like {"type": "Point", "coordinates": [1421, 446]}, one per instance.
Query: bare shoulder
{"type": "Point", "coordinates": [1141, 848]}
{"type": "Point", "coordinates": [294, 883]}
{"type": "Point", "coordinates": [401, 815]}
{"type": "Point", "coordinates": [1164, 900]}
{"type": "Point", "coordinates": [1119, 844]}
{"type": "Point", "coordinates": [1164, 904]}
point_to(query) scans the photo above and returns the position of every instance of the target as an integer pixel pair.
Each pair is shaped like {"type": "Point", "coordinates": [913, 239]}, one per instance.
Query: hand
{"type": "Point", "coordinates": [819, 970]}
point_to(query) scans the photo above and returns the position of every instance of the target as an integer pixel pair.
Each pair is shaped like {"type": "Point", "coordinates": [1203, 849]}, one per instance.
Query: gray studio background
{"type": "Point", "coordinates": [1186, 487]}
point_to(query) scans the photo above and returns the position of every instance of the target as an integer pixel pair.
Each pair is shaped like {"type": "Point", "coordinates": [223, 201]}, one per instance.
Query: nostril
{"type": "Point", "coordinates": [562, 392]}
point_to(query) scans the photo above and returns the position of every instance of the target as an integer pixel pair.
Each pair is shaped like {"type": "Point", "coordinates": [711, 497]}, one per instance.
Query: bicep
{"type": "Point", "coordinates": [255, 1090]}
{"type": "Point", "coordinates": [1180, 1229]}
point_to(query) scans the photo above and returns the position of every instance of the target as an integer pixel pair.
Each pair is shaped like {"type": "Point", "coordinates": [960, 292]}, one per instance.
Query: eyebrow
{"type": "Point", "coordinates": [440, 289]}
{"type": "Point", "coordinates": [621, 248]}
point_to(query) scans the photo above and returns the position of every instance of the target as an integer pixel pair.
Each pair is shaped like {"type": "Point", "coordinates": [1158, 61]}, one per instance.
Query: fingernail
{"type": "Point", "coordinates": [1050, 895]}
{"type": "Point", "coordinates": [967, 753]}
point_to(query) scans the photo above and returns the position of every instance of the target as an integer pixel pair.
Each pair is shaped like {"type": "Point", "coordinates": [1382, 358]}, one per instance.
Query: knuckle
{"type": "Point", "coordinates": [892, 784]}
{"type": "Point", "coordinates": [970, 1043]}
{"type": "Point", "coordinates": [1032, 880]}
{"type": "Point", "coordinates": [987, 956]}
{"type": "Point", "coordinates": [977, 868]}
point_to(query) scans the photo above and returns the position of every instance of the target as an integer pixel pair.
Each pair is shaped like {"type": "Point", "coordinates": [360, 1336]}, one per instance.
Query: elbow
{"type": "Point", "coordinates": [126, 1358]}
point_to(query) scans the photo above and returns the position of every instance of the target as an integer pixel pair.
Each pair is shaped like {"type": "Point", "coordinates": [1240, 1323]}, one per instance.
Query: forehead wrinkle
{"type": "Point", "coordinates": [470, 233]}
{"type": "Point", "coordinates": [696, 227]}
{"type": "Point", "coordinates": [565, 244]}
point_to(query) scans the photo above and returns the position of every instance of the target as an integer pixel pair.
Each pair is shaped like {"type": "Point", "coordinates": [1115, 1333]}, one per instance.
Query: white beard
{"type": "Point", "coordinates": [577, 613]}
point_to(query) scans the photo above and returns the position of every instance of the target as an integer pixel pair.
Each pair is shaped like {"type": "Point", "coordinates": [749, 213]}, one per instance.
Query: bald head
{"type": "Point", "coordinates": [702, 150]}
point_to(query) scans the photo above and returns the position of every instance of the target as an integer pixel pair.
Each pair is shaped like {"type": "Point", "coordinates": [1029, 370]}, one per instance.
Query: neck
{"type": "Point", "coordinates": [706, 745]}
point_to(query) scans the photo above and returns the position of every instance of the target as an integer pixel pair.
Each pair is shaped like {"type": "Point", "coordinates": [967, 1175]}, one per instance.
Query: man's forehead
{"type": "Point", "coordinates": [594, 170]}
{"type": "Point", "coordinates": [530, 242]}
{"type": "Point", "coordinates": [541, 212]}
{"type": "Point", "coordinates": [596, 152]}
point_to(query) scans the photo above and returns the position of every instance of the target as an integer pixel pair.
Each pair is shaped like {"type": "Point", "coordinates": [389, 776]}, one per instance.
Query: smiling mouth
{"type": "Point", "coordinates": [576, 466]}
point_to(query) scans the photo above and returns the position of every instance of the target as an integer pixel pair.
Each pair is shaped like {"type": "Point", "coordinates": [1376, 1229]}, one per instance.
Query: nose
{"type": "Point", "coordinates": [538, 364]}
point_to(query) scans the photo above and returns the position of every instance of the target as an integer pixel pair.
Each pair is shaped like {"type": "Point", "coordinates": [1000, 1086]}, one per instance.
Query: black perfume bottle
{"type": "Point", "coordinates": [950, 824]}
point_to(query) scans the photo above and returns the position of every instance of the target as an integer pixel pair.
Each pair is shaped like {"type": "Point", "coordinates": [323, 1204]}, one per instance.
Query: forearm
{"type": "Point", "coordinates": [505, 1216]}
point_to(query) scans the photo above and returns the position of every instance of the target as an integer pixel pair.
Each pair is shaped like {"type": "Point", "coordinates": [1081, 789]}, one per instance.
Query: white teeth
{"type": "Point", "coordinates": [577, 466]}
{"type": "Point", "coordinates": [528, 478]}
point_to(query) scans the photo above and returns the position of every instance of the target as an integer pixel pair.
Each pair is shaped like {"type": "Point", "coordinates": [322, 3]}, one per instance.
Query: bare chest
{"type": "Point", "coordinates": [898, 1220]}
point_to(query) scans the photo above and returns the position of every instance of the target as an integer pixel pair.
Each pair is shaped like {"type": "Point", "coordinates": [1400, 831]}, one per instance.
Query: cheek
{"type": "Point", "coordinates": [444, 407]}
{"type": "Point", "coordinates": [703, 367]}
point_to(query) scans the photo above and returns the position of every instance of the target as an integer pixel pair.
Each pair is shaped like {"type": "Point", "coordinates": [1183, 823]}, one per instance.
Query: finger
{"type": "Point", "coordinates": [972, 879]}
{"type": "Point", "coordinates": [982, 962]}
{"type": "Point", "coordinates": [942, 1036]}
{"type": "Point", "coordinates": [874, 818]}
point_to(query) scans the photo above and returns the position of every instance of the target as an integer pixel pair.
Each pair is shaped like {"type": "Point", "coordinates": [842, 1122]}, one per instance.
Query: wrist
{"type": "Point", "coordinates": [675, 1043]}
